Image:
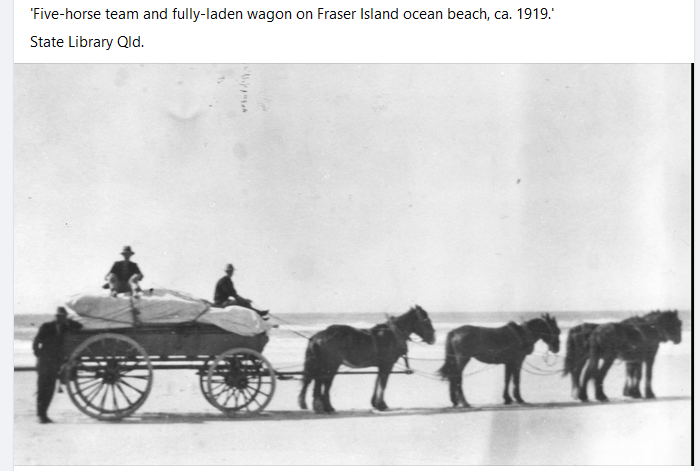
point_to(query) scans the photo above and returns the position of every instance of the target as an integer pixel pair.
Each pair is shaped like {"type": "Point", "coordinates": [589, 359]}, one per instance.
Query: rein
{"type": "Point", "coordinates": [526, 337]}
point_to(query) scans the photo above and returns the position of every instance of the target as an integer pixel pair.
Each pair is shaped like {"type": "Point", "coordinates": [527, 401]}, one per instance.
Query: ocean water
{"type": "Point", "coordinates": [288, 341]}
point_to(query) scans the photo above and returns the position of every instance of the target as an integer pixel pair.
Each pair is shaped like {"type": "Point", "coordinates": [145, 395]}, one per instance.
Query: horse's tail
{"type": "Point", "coordinates": [570, 353]}
{"type": "Point", "coordinates": [449, 369]}
{"type": "Point", "coordinates": [577, 346]}
{"type": "Point", "coordinates": [310, 367]}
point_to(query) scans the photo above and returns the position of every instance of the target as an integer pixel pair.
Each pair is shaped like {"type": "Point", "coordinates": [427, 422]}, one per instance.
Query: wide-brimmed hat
{"type": "Point", "coordinates": [229, 266]}
{"type": "Point", "coordinates": [61, 311]}
{"type": "Point", "coordinates": [127, 249]}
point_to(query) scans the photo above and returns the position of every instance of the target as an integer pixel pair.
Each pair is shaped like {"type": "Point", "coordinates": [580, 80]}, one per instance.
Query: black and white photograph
{"type": "Point", "coordinates": [352, 264]}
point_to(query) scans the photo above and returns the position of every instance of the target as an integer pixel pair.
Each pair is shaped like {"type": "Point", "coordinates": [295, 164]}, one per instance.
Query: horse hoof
{"type": "Point", "coordinates": [649, 396]}
{"type": "Point", "coordinates": [508, 402]}
{"type": "Point", "coordinates": [463, 405]}
{"type": "Point", "coordinates": [520, 401]}
{"type": "Point", "coordinates": [602, 398]}
{"type": "Point", "coordinates": [381, 407]}
{"type": "Point", "coordinates": [302, 406]}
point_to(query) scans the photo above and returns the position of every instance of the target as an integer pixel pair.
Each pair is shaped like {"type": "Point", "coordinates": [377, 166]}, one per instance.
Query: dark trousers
{"type": "Point", "coordinates": [48, 371]}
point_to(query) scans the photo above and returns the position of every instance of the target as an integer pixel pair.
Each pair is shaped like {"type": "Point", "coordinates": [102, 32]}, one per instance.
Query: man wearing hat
{"type": "Point", "coordinates": [48, 349]}
{"type": "Point", "coordinates": [225, 294]}
{"type": "Point", "coordinates": [124, 276]}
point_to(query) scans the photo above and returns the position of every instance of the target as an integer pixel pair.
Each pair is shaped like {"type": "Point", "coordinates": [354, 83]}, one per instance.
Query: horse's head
{"type": "Point", "coordinates": [421, 325]}
{"type": "Point", "coordinates": [670, 325]}
{"type": "Point", "coordinates": [548, 331]}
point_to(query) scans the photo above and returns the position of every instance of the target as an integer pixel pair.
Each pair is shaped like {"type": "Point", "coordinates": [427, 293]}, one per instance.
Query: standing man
{"type": "Point", "coordinates": [48, 349]}
{"type": "Point", "coordinates": [124, 276]}
{"type": "Point", "coordinates": [225, 294]}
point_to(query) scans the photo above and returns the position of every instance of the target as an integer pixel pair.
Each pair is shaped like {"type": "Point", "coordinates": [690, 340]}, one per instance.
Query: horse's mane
{"type": "Point", "coordinates": [659, 312]}
{"type": "Point", "coordinates": [391, 320]}
{"type": "Point", "coordinates": [657, 316]}
{"type": "Point", "coordinates": [547, 323]}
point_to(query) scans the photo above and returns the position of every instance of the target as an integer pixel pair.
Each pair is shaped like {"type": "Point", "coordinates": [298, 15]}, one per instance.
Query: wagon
{"type": "Point", "coordinates": [109, 372]}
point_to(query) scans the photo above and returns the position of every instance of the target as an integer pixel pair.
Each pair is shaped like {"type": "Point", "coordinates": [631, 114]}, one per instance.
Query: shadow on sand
{"type": "Point", "coordinates": [284, 415]}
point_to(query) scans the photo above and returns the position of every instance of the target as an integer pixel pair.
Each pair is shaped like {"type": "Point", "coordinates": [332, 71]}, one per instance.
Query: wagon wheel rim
{"type": "Point", "coordinates": [240, 382]}
{"type": "Point", "coordinates": [109, 376]}
{"type": "Point", "coordinates": [203, 374]}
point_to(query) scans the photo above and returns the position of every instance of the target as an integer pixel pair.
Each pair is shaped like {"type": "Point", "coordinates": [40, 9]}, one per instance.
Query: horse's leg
{"type": "Point", "coordinates": [600, 377]}
{"type": "Point", "coordinates": [648, 393]}
{"type": "Point", "coordinates": [516, 383]}
{"type": "Point", "coordinates": [634, 374]}
{"type": "Point", "coordinates": [590, 371]}
{"type": "Point", "coordinates": [576, 377]}
{"type": "Point", "coordinates": [305, 380]}
{"type": "Point", "coordinates": [637, 380]}
{"type": "Point", "coordinates": [318, 395]}
{"type": "Point", "coordinates": [509, 373]}
{"type": "Point", "coordinates": [326, 394]}
{"type": "Point", "coordinates": [379, 387]}
{"type": "Point", "coordinates": [461, 401]}
{"type": "Point", "coordinates": [629, 379]}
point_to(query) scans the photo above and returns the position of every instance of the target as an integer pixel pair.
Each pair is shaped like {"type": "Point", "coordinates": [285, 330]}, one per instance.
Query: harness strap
{"type": "Point", "coordinates": [526, 338]}
{"type": "Point", "coordinates": [400, 336]}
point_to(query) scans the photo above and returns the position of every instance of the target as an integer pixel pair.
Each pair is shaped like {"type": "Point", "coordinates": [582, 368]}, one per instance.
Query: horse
{"type": "Point", "coordinates": [577, 348]}
{"type": "Point", "coordinates": [380, 346]}
{"type": "Point", "coordinates": [508, 345]}
{"type": "Point", "coordinates": [577, 354]}
{"type": "Point", "coordinates": [635, 341]}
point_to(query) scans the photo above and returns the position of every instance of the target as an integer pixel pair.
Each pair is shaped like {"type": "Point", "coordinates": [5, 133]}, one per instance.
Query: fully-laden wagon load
{"type": "Point", "coordinates": [111, 360]}
{"type": "Point", "coordinates": [100, 311]}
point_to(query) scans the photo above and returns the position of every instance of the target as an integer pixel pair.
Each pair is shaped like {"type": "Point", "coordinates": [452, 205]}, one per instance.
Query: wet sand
{"type": "Point", "coordinates": [176, 426]}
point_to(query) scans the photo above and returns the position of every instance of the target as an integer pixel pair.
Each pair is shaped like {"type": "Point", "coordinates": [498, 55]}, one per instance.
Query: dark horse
{"type": "Point", "coordinates": [577, 348]}
{"type": "Point", "coordinates": [507, 345]}
{"type": "Point", "coordinates": [379, 346]}
{"type": "Point", "coordinates": [635, 341]}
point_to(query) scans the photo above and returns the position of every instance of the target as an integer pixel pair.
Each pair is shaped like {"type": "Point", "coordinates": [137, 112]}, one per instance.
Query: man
{"type": "Point", "coordinates": [225, 294]}
{"type": "Point", "coordinates": [124, 276]}
{"type": "Point", "coordinates": [48, 348]}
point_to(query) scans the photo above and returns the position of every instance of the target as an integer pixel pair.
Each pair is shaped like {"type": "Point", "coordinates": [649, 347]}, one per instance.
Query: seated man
{"type": "Point", "coordinates": [124, 276]}
{"type": "Point", "coordinates": [225, 294]}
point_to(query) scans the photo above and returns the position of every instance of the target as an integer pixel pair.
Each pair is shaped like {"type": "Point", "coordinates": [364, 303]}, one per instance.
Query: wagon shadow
{"type": "Point", "coordinates": [286, 415]}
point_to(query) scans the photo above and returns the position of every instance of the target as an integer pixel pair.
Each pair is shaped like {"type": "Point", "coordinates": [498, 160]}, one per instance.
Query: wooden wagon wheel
{"type": "Point", "coordinates": [109, 376]}
{"type": "Point", "coordinates": [240, 381]}
{"type": "Point", "coordinates": [203, 374]}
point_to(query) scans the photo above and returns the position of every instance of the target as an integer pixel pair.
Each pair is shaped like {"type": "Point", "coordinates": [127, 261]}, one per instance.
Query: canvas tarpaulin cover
{"type": "Point", "coordinates": [101, 311]}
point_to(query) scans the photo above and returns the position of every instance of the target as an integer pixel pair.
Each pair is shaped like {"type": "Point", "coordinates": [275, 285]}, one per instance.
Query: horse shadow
{"type": "Point", "coordinates": [302, 415]}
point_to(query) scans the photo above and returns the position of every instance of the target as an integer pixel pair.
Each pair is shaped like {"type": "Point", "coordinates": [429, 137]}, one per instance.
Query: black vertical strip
{"type": "Point", "coordinates": [692, 252]}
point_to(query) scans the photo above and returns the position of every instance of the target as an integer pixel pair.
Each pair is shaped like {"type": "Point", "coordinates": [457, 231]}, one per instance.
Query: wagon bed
{"type": "Point", "coordinates": [109, 372]}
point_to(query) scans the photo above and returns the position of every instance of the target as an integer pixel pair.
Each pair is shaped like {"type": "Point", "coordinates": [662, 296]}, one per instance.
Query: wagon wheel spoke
{"type": "Point", "coordinates": [104, 396]}
{"type": "Point", "coordinates": [103, 370]}
{"type": "Point", "coordinates": [247, 399]}
{"type": "Point", "coordinates": [134, 388]}
{"type": "Point", "coordinates": [240, 381]}
{"type": "Point", "coordinates": [87, 389]}
{"type": "Point", "coordinates": [124, 395]}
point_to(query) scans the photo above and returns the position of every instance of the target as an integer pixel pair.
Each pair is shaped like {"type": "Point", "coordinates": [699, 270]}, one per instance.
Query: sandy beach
{"type": "Point", "coordinates": [176, 426]}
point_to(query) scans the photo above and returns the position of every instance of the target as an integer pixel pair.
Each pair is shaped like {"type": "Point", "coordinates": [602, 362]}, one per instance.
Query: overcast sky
{"type": "Point", "coordinates": [350, 188]}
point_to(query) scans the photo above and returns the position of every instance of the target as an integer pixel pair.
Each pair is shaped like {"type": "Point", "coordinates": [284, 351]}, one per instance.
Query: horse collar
{"type": "Point", "coordinates": [523, 333]}
{"type": "Point", "coordinates": [396, 330]}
